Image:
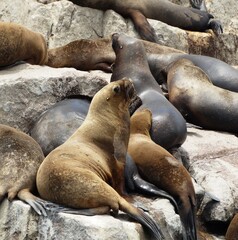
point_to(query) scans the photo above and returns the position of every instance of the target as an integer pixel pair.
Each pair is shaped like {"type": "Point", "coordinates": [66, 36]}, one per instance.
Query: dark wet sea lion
{"type": "Point", "coordinates": [165, 11]}
{"type": "Point", "coordinates": [18, 43]}
{"type": "Point", "coordinates": [86, 172]}
{"type": "Point", "coordinates": [199, 101]}
{"type": "Point", "coordinates": [175, 15]}
{"type": "Point", "coordinates": [59, 122]}
{"type": "Point", "coordinates": [159, 167]}
{"type": "Point", "coordinates": [168, 126]}
{"type": "Point", "coordinates": [220, 73]}
{"type": "Point", "coordinates": [20, 159]}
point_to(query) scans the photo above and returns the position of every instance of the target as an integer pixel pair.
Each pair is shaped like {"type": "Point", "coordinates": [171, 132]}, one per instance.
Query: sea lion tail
{"type": "Point", "coordinates": [142, 217]}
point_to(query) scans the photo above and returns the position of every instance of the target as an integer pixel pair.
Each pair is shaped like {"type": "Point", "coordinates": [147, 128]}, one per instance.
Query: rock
{"type": "Point", "coordinates": [18, 220]}
{"type": "Point", "coordinates": [213, 164]}
{"type": "Point", "coordinates": [27, 90]}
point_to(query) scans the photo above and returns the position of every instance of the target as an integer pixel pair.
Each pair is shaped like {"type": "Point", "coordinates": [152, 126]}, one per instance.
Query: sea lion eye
{"type": "Point", "coordinates": [116, 89]}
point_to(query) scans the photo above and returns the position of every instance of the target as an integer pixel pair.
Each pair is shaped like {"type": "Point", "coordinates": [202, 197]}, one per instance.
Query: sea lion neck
{"type": "Point", "coordinates": [141, 122]}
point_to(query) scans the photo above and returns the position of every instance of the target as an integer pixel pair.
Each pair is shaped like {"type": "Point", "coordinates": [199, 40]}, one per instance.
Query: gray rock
{"type": "Point", "coordinates": [213, 164]}
{"type": "Point", "coordinates": [27, 90]}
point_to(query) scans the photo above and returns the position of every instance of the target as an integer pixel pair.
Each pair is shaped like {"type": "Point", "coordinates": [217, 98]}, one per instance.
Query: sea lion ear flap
{"type": "Point", "coordinates": [116, 89]}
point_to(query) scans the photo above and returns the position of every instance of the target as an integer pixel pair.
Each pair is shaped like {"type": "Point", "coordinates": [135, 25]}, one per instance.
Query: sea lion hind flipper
{"type": "Point", "coordinates": [56, 208]}
{"type": "Point", "coordinates": [35, 202]}
{"type": "Point", "coordinates": [134, 183]}
{"type": "Point", "coordinates": [188, 219]}
{"type": "Point", "coordinates": [198, 4]}
{"type": "Point", "coordinates": [141, 217]}
{"type": "Point", "coordinates": [216, 26]}
{"type": "Point", "coordinates": [142, 26]}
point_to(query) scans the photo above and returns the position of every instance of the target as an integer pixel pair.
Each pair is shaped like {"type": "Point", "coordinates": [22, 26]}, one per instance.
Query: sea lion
{"type": "Point", "coordinates": [168, 126]}
{"type": "Point", "coordinates": [232, 231]}
{"type": "Point", "coordinates": [165, 11]}
{"type": "Point", "coordinates": [59, 122]}
{"type": "Point", "coordinates": [220, 73]}
{"type": "Point", "coordinates": [21, 44]}
{"type": "Point", "coordinates": [162, 10]}
{"type": "Point", "coordinates": [20, 159]}
{"type": "Point", "coordinates": [86, 172]}
{"type": "Point", "coordinates": [200, 102]}
{"type": "Point", "coordinates": [159, 167]}
{"type": "Point", "coordinates": [94, 54]}
{"type": "Point", "coordinates": [83, 54]}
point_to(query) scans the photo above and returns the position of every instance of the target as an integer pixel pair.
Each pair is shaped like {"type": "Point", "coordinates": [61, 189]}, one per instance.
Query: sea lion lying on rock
{"type": "Point", "coordinates": [18, 43]}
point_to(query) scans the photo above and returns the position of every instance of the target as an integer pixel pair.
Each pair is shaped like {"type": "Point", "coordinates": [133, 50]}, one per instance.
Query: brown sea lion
{"type": "Point", "coordinates": [94, 54]}
{"type": "Point", "coordinates": [200, 102]}
{"type": "Point", "coordinates": [86, 172]}
{"type": "Point", "coordinates": [20, 159]}
{"type": "Point", "coordinates": [232, 231]}
{"type": "Point", "coordinates": [168, 126]}
{"type": "Point", "coordinates": [21, 44]}
{"type": "Point", "coordinates": [159, 167]}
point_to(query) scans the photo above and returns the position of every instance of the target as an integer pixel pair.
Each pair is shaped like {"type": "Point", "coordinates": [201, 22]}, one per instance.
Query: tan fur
{"type": "Point", "coordinates": [21, 44]}
{"type": "Point", "coordinates": [20, 159]}
{"type": "Point", "coordinates": [86, 172]}
{"type": "Point", "coordinates": [159, 167]}
{"type": "Point", "coordinates": [232, 231]}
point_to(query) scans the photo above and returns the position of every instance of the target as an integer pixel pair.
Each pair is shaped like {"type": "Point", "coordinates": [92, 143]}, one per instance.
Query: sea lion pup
{"type": "Point", "coordinates": [232, 231]}
{"type": "Point", "coordinates": [159, 167]}
{"type": "Point", "coordinates": [168, 126]}
{"type": "Point", "coordinates": [21, 44]}
{"type": "Point", "coordinates": [165, 11]}
{"type": "Point", "coordinates": [20, 159]}
{"type": "Point", "coordinates": [86, 172]}
{"type": "Point", "coordinates": [200, 102]}
{"type": "Point", "coordinates": [59, 122]}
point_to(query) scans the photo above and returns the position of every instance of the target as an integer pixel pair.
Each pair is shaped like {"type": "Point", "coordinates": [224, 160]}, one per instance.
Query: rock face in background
{"type": "Point", "coordinates": [26, 91]}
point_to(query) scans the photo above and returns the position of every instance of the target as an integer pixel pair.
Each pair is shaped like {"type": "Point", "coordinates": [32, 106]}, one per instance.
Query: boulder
{"type": "Point", "coordinates": [27, 90]}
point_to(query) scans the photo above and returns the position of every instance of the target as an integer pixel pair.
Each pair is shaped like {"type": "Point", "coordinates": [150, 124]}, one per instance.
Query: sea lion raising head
{"type": "Point", "coordinates": [86, 172]}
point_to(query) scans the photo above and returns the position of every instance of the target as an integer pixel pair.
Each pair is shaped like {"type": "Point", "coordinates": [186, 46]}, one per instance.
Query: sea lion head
{"type": "Point", "coordinates": [118, 94]}
{"type": "Point", "coordinates": [119, 40]}
{"type": "Point", "coordinates": [141, 121]}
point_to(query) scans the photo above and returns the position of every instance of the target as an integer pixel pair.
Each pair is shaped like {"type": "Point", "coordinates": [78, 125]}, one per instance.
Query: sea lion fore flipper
{"type": "Point", "coordinates": [142, 25]}
{"type": "Point", "coordinates": [198, 4]}
{"type": "Point", "coordinates": [216, 26]}
{"type": "Point", "coordinates": [26, 196]}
